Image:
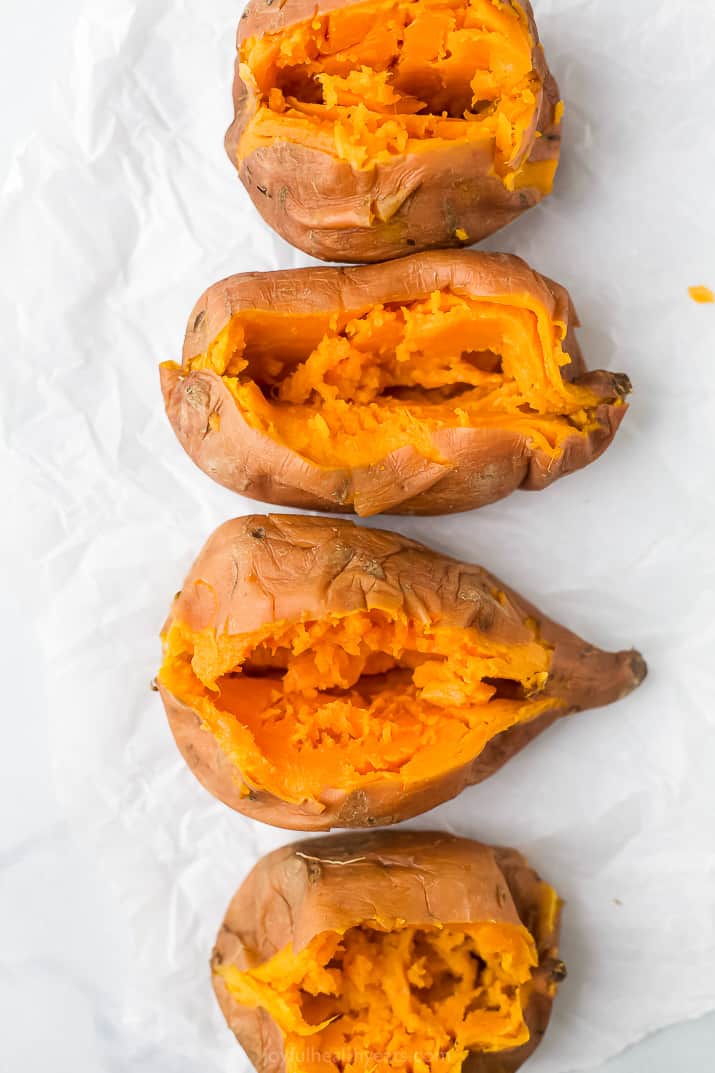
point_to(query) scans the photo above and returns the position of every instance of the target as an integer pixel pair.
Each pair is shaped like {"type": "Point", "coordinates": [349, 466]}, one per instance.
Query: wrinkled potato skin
{"type": "Point", "coordinates": [258, 570]}
{"type": "Point", "coordinates": [481, 465]}
{"type": "Point", "coordinates": [320, 204]}
{"type": "Point", "coordinates": [420, 877]}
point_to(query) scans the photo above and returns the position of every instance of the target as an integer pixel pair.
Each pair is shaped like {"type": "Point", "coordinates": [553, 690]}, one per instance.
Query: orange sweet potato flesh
{"type": "Point", "coordinates": [388, 952]}
{"type": "Point", "coordinates": [364, 131]}
{"type": "Point", "coordinates": [437, 383]}
{"type": "Point", "coordinates": [320, 675]}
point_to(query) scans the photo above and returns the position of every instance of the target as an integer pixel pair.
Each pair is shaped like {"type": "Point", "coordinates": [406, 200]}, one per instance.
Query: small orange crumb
{"type": "Point", "coordinates": [214, 422]}
{"type": "Point", "coordinates": [276, 100]}
{"type": "Point", "coordinates": [701, 294]}
{"type": "Point", "coordinates": [559, 112]}
{"type": "Point", "coordinates": [461, 234]}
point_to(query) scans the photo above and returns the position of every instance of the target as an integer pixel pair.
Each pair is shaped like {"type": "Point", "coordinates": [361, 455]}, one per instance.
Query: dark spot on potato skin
{"type": "Point", "coordinates": [373, 568]}
{"type": "Point", "coordinates": [259, 533]}
{"type": "Point", "coordinates": [199, 320]}
{"type": "Point", "coordinates": [355, 811]}
{"type": "Point", "coordinates": [198, 394]}
{"type": "Point", "coordinates": [485, 617]}
{"type": "Point", "coordinates": [484, 610]}
{"type": "Point", "coordinates": [315, 871]}
{"type": "Point", "coordinates": [622, 384]}
{"type": "Point", "coordinates": [450, 216]}
{"type": "Point", "coordinates": [558, 972]}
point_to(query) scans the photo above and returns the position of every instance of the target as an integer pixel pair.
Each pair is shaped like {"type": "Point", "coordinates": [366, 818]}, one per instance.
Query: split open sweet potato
{"type": "Point", "coordinates": [437, 383]}
{"type": "Point", "coordinates": [389, 952]}
{"type": "Point", "coordinates": [320, 675]}
{"type": "Point", "coordinates": [366, 130]}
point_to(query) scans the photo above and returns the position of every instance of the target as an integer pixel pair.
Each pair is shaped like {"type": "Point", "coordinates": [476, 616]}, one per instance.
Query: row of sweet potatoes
{"type": "Point", "coordinates": [318, 675]}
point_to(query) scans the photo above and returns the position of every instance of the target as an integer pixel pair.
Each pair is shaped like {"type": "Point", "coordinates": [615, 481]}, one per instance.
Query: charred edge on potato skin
{"type": "Point", "coordinates": [623, 385]}
{"type": "Point", "coordinates": [557, 971]}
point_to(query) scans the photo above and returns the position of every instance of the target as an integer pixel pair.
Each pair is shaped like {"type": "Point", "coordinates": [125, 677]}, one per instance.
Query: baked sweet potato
{"type": "Point", "coordinates": [387, 952]}
{"type": "Point", "coordinates": [433, 384]}
{"type": "Point", "coordinates": [366, 130]}
{"type": "Point", "coordinates": [319, 675]}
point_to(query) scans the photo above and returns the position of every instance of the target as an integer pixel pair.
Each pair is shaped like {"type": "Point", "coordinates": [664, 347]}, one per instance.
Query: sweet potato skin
{"type": "Point", "coordinates": [481, 465]}
{"type": "Point", "coordinates": [337, 882]}
{"type": "Point", "coordinates": [322, 205]}
{"type": "Point", "coordinates": [263, 569]}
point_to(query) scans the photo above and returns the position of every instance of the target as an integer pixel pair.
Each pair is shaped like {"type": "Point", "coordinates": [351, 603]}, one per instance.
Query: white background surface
{"type": "Point", "coordinates": [69, 991]}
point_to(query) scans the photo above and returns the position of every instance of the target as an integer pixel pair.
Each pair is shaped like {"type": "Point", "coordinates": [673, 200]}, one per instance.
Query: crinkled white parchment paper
{"type": "Point", "coordinates": [114, 218]}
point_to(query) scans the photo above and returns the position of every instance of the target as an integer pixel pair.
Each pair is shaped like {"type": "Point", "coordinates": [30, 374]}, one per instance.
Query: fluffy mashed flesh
{"type": "Point", "coordinates": [347, 390]}
{"type": "Point", "coordinates": [372, 81]}
{"type": "Point", "coordinates": [373, 1000]}
{"type": "Point", "coordinates": [309, 709]}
